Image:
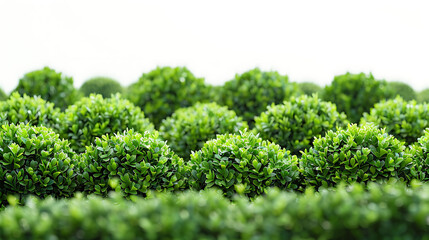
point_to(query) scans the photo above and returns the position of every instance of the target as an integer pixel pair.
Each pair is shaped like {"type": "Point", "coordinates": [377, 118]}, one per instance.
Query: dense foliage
{"type": "Point", "coordinates": [295, 123]}
{"type": "Point", "coordinates": [3, 95]}
{"type": "Point", "coordinates": [95, 116]}
{"type": "Point", "coordinates": [420, 153]}
{"type": "Point", "coordinates": [309, 88]}
{"type": "Point", "coordinates": [403, 90]}
{"type": "Point", "coordinates": [101, 85]}
{"type": "Point", "coordinates": [189, 128]}
{"type": "Point", "coordinates": [423, 96]}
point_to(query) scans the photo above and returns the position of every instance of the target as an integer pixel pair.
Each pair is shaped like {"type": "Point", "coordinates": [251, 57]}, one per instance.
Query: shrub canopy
{"type": "Point", "coordinates": [404, 90]}
{"type": "Point", "coordinates": [101, 85]}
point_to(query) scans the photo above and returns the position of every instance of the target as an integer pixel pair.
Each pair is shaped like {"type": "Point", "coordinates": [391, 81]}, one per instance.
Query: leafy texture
{"type": "Point", "coordinates": [423, 96]}
{"type": "Point", "coordinates": [3, 95]}
{"type": "Point", "coordinates": [189, 128]}
{"type": "Point", "coordinates": [309, 88]}
{"type": "Point", "coordinates": [404, 90]}
{"type": "Point", "coordinates": [101, 85]}
{"type": "Point", "coordinates": [420, 153]}
{"type": "Point", "coordinates": [295, 123]}
{"type": "Point", "coordinates": [243, 163]}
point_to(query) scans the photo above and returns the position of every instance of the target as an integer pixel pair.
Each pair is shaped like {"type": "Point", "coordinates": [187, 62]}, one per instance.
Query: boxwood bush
{"type": "Point", "coordinates": [50, 85]}
{"type": "Point", "coordinates": [405, 120]}
{"type": "Point", "coordinates": [3, 95]}
{"type": "Point", "coordinates": [189, 128]}
{"type": "Point", "coordinates": [356, 154]}
{"type": "Point", "coordinates": [295, 123]}
{"type": "Point", "coordinates": [423, 96]}
{"type": "Point", "coordinates": [95, 116]}
{"type": "Point", "coordinates": [101, 85]}
{"type": "Point", "coordinates": [163, 90]}
{"type": "Point", "coordinates": [355, 94]}
{"type": "Point", "coordinates": [309, 88]}
{"type": "Point", "coordinates": [34, 160]}
{"type": "Point", "coordinates": [28, 110]}
{"type": "Point", "coordinates": [420, 153]}
{"type": "Point", "coordinates": [403, 90]}
{"type": "Point", "coordinates": [243, 163]}
{"type": "Point", "coordinates": [249, 93]}
{"type": "Point", "coordinates": [139, 162]}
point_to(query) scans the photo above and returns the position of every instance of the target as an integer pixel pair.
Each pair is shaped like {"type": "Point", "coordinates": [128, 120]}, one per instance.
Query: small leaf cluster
{"type": "Point", "coordinates": [309, 88]}
{"type": "Point", "coordinates": [34, 160]}
{"type": "Point", "coordinates": [404, 90]}
{"type": "Point", "coordinates": [404, 120]}
{"type": "Point", "coordinates": [420, 153]}
{"type": "Point", "coordinates": [95, 116]}
{"type": "Point", "coordinates": [101, 85]}
{"type": "Point", "coordinates": [135, 162]}
{"type": "Point", "coordinates": [189, 128]}
{"type": "Point", "coordinates": [295, 123]}
{"type": "Point", "coordinates": [243, 163]}
{"type": "Point", "coordinates": [356, 154]}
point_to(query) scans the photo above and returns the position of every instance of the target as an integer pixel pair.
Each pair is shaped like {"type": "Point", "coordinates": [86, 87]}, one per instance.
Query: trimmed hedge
{"type": "Point", "coordinates": [3, 96]}
{"type": "Point", "coordinates": [423, 96]}
{"type": "Point", "coordinates": [381, 212]}
{"type": "Point", "coordinates": [101, 85]}
{"type": "Point", "coordinates": [309, 88]}
{"type": "Point", "coordinates": [420, 153]}
{"type": "Point", "coordinates": [295, 123]}
{"type": "Point", "coordinates": [404, 90]}
{"type": "Point", "coordinates": [189, 128]}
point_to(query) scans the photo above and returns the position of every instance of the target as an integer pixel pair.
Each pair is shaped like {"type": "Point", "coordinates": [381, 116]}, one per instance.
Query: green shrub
{"type": "Point", "coordinates": [101, 85]}
{"type": "Point", "coordinates": [404, 120]}
{"type": "Point", "coordinates": [34, 160]}
{"type": "Point", "coordinates": [28, 110]}
{"type": "Point", "coordinates": [309, 88]}
{"type": "Point", "coordinates": [95, 116]}
{"type": "Point", "coordinates": [357, 154]}
{"type": "Point", "coordinates": [50, 85]}
{"type": "Point", "coordinates": [402, 89]}
{"type": "Point", "coordinates": [160, 92]}
{"type": "Point", "coordinates": [3, 95]}
{"type": "Point", "coordinates": [420, 153]}
{"type": "Point", "coordinates": [355, 94]}
{"type": "Point", "coordinates": [139, 162]}
{"type": "Point", "coordinates": [243, 163]}
{"type": "Point", "coordinates": [250, 93]}
{"type": "Point", "coordinates": [295, 123]}
{"type": "Point", "coordinates": [423, 96]}
{"type": "Point", "coordinates": [188, 128]}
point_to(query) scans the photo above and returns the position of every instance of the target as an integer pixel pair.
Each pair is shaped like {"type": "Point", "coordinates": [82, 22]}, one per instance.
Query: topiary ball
{"type": "Point", "coordinates": [95, 116]}
{"type": "Point", "coordinates": [50, 85]}
{"type": "Point", "coordinates": [403, 90]}
{"type": "Point", "coordinates": [404, 120]}
{"type": "Point", "coordinates": [309, 88]}
{"type": "Point", "coordinates": [243, 163]}
{"type": "Point", "coordinates": [140, 162]}
{"type": "Point", "coordinates": [3, 95]}
{"type": "Point", "coordinates": [355, 94]}
{"type": "Point", "coordinates": [357, 154]}
{"type": "Point", "coordinates": [29, 110]}
{"type": "Point", "coordinates": [101, 85]}
{"type": "Point", "coordinates": [163, 90]}
{"type": "Point", "coordinates": [250, 93]}
{"type": "Point", "coordinates": [423, 96]}
{"type": "Point", "coordinates": [420, 153]}
{"type": "Point", "coordinates": [189, 128]}
{"type": "Point", "coordinates": [34, 160]}
{"type": "Point", "coordinates": [295, 123]}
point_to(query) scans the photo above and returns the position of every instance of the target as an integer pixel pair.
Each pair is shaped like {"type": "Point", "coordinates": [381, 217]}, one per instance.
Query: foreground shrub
{"type": "Point", "coordinates": [243, 163]}
{"type": "Point", "coordinates": [28, 110]}
{"type": "Point", "coordinates": [50, 85]}
{"type": "Point", "coordinates": [95, 116]}
{"type": "Point", "coordinates": [250, 93]}
{"type": "Point", "coordinates": [309, 88]}
{"type": "Point", "coordinates": [423, 96]}
{"type": "Point", "coordinates": [420, 153]}
{"type": "Point", "coordinates": [355, 94]}
{"type": "Point", "coordinates": [34, 160]}
{"type": "Point", "coordinates": [188, 128]}
{"type": "Point", "coordinates": [404, 90]}
{"type": "Point", "coordinates": [160, 92]}
{"type": "Point", "coordinates": [357, 154]}
{"type": "Point", "coordinates": [101, 85]}
{"type": "Point", "coordinates": [139, 162]}
{"type": "Point", "coordinates": [295, 123]}
{"type": "Point", "coordinates": [3, 95]}
{"type": "Point", "coordinates": [405, 120]}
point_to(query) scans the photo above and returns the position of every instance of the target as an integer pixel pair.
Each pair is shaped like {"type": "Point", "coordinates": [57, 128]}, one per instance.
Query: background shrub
{"type": "Point", "coordinates": [403, 90]}
{"type": "Point", "coordinates": [101, 85]}
{"type": "Point", "coordinates": [3, 95]}
{"type": "Point", "coordinates": [188, 128]}
{"type": "Point", "coordinates": [423, 96]}
{"type": "Point", "coordinates": [95, 116]}
{"type": "Point", "coordinates": [420, 153]}
{"type": "Point", "coordinates": [309, 88]}
{"type": "Point", "coordinates": [295, 123]}
{"type": "Point", "coordinates": [355, 94]}
{"type": "Point", "coordinates": [243, 163]}
{"type": "Point", "coordinates": [140, 162]}
{"type": "Point", "coordinates": [34, 160]}
{"type": "Point", "coordinates": [50, 85]}
{"type": "Point", "coordinates": [357, 154]}
{"type": "Point", "coordinates": [163, 90]}
{"type": "Point", "coordinates": [405, 120]}
{"type": "Point", "coordinates": [250, 93]}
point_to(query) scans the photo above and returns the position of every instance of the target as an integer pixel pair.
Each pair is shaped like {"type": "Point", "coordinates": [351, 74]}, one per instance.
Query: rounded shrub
{"type": "Point", "coordinates": [160, 92]}
{"type": "Point", "coordinates": [189, 128]}
{"type": "Point", "coordinates": [420, 153]}
{"type": "Point", "coordinates": [309, 88]}
{"type": "Point", "coordinates": [243, 163]}
{"type": "Point", "coordinates": [95, 116]}
{"type": "Point", "coordinates": [101, 85]}
{"type": "Point", "coordinates": [405, 120]}
{"type": "Point", "coordinates": [139, 162]}
{"type": "Point", "coordinates": [403, 90]}
{"type": "Point", "coordinates": [50, 85]}
{"type": "Point", "coordinates": [356, 154]}
{"type": "Point", "coordinates": [29, 110]}
{"type": "Point", "coordinates": [295, 123]}
{"type": "Point", "coordinates": [3, 95]}
{"type": "Point", "coordinates": [34, 160]}
{"type": "Point", "coordinates": [355, 94]}
{"type": "Point", "coordinates": [423, 96]}
{"type": "Point", "coordinates": [250, 93]}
